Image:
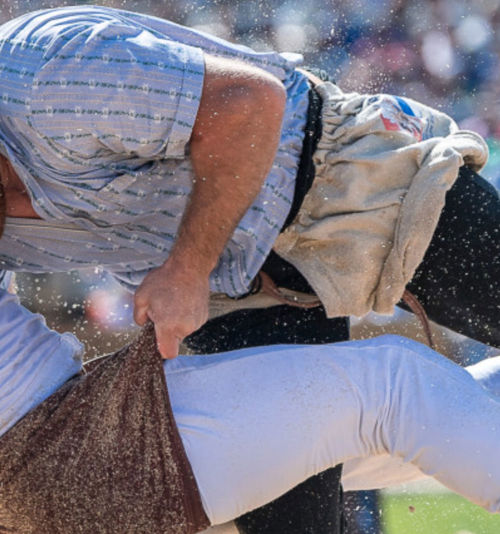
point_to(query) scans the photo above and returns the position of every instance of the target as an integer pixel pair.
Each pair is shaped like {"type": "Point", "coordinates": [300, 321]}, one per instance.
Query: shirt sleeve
{"type": "Point", "coordinates": [112, 88]}
{"type": "Point", "coordinates": [34, 360]}
{"type": "Point", "coordinates": [5, 279]}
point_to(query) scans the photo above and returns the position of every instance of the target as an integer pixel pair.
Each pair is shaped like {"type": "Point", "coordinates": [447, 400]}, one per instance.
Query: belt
{"type": "Point", "coordinates": [313, 128]}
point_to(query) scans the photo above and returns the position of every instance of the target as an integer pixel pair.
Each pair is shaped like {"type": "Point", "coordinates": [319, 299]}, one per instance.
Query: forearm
{"type": "Point", "coordinates": [234, 142]}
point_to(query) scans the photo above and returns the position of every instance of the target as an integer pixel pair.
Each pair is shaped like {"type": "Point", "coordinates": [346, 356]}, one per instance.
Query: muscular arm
{"type": "Point", "coordinates": [234, 141]}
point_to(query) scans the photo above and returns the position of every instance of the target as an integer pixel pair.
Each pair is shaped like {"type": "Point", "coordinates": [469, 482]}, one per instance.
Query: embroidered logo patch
{"type": "Point", "coordinates": [397, 115]}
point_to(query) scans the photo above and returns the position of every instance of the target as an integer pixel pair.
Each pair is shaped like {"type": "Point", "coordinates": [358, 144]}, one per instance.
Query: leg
{"type": "Point", "coordinates": [458, 281]}
{"type": "Point", "coordinates": [382, 471]}
{"type": "Point", "coordinates": [330, 404]}
{"type": "Point", "coordinates": [315, 505]}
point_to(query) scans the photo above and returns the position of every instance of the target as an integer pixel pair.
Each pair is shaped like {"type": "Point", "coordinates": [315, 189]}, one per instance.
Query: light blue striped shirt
{"type": "Point", "coordinates": [34, 360]}
{"type": "Point", "coordinates": [97, 107]}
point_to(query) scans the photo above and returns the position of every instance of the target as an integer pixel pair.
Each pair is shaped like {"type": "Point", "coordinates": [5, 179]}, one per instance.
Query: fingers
{"type": "Point", "coordinates": [168, 345]}
{"type": "Point", "coordinates": [170, 332]}
{"type": "Point", "coordinates": [168, 340]}
{"type": "Point", "coordinates": [169, 336]}
{"type": "Point", "coordinates": [170, 329]}
{"type": "Point", "coordinates": [177, 304]}
{"type": "Point", "coordinates": [140, 314]}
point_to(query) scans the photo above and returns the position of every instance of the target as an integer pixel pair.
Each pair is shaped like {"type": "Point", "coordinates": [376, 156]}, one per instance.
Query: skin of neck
{"type": "Point", "coordinates": [2, 209]}
{"type": "Point", "coordinates": [15, 199]}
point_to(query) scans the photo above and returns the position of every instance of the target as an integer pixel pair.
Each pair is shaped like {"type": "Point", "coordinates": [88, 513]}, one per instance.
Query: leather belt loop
{"type": "Point", "coordinates": [416, 307]}
{"type": "Point", "coordinates": [269, 287]}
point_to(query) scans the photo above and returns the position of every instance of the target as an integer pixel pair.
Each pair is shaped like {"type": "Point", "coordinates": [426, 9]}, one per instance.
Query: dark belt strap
{"type": "Point", "coordinates": [305, 172]}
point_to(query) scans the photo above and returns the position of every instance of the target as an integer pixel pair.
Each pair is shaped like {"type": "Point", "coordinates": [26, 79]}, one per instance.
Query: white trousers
{"type": "Point", "coordinates": [257, 422]}
{"type": "Point", "coordinates": [383, 470]}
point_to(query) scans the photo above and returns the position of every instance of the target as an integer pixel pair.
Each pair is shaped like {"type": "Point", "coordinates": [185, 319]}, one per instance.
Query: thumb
{"type": "Point", "coordinates": [140, 314]}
